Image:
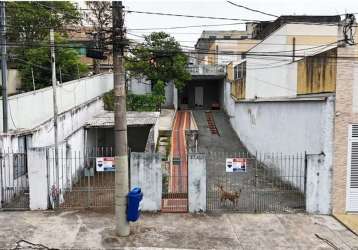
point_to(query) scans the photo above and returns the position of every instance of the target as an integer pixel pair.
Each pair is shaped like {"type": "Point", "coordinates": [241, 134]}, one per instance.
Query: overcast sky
{"type": "Point", "coordinates": [220, 8]}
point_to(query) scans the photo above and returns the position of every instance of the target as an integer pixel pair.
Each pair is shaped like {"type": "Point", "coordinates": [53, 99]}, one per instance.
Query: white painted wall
{"type": "Point", "coordinates": [139, 86]}
{"type": "Point", "coordinates": [196, 182]}
{"type": "Point", "coordinates": [146, 173]}
{"type": "Point", "coordinates": [319, 185]}
{"type": "Point", "coordinates": [68, 123]}
{"type": "Point", "coordinates": [30, 109]}
{"type": "Point", "coordinates": [276, 76]}
{"type": "Point", "coordinates": [287, 127]}
{"type": "Point", "coordinates": [38, 179]}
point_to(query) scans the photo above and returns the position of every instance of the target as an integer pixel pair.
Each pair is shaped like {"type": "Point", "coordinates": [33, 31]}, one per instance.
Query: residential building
{"type": "Point", "coordinates": [221, 47]}
{"type": "Point", "coordinates": [296, 92]}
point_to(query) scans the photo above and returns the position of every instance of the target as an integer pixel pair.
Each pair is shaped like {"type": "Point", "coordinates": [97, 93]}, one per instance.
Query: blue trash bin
{"type": "Point", "coordinates": [134, 198]}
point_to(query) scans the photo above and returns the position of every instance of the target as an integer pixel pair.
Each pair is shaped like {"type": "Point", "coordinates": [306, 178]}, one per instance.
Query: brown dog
{"type": "Point", "coordinates": [231, 196]}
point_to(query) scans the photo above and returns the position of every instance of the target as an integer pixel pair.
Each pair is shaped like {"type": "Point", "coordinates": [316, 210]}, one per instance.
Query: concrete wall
{"type": "Point", "coordinates": [146, 173]}
{"type": "Point", "coordinates": [14, 81]}
{"type": "Point", "coordinates": [287, 127]}
{"type": "Point", "coordinates": [68, 123]}
{"type": "Point", "coordinates": [31, 109]}
{"type": "Point", "coordinates": [319, 185]}
{"type": "Point", "coordinates": [196, 182]}
{"type": "Point", "coordinates": [38, 179]}
{"type": "Point", "coordinates": [139, 86]}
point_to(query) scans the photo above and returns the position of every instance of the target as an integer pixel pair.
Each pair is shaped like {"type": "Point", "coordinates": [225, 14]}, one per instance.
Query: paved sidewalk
{"type": "Point", "coordinates": [94, 230]}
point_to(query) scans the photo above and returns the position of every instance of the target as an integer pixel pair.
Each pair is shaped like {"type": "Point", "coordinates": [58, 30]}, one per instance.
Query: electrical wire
{"type": "Point", "coordinates": [189, 26]}
{"type": "Point", "coordinates": [253, 10]}
{"type": "Point", "coordinates": [190, 16]}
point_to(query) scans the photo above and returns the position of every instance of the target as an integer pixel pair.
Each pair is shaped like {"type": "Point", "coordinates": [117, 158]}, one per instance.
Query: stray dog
{"type": "Point", "coordinates": [231, 196]}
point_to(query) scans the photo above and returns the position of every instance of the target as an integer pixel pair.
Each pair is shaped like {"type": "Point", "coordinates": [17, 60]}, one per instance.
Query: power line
{"type": "Point", "coordinates": [188, 26]}
{"type": "Point", "coordinates": [190, 16]}
{"type": "Point", "coordinates": [253, 10]}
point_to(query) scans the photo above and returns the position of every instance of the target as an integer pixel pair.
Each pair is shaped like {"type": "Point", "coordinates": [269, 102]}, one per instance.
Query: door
{"type": "Point", "coordinates": [199, 96]}
{"type": "Point", "coordinates": [352, 170]}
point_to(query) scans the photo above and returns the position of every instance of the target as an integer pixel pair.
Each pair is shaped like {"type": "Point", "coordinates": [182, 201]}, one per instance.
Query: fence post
{"type": "Point", "coordinates": [255, 183]}
{"type": "Point", "coordinates": [305, 177]}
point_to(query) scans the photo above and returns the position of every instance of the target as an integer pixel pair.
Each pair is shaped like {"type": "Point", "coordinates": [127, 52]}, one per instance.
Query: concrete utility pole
{"type": "Point", "coordinates": [4, 68]}
{"type": "Point", "coordinates": [55, 111]}
{"type": "Point", "coordinates": [120, 121]}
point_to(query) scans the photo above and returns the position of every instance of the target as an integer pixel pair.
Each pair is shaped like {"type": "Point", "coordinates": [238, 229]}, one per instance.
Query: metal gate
{"type": "Point", "coordinates": [14, 186]}
{"type": "Point", "coordinates": [257, 184]}
{"type": "Point", "coordinates": [83, 182]}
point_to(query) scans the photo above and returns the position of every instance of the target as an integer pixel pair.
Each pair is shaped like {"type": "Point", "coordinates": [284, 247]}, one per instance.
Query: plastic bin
{"type": "Point", "coordinates": [134, 198]}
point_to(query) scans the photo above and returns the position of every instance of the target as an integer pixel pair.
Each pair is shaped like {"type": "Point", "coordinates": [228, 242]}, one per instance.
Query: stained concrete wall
{"type": "Point", "coordinates": [319, 185]}
{"type": "Point", "coordinates": [196, 182]}
{"type": "Point", "coordinates": [146, 173]}
{"type": "Point", "coordinates": [33, 108]}
{"type": "Point", "coordinates": [37, 173]}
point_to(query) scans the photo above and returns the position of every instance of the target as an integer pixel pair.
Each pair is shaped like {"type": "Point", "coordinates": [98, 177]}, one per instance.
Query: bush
{"type": "Point", "coordinates": [147, 102]}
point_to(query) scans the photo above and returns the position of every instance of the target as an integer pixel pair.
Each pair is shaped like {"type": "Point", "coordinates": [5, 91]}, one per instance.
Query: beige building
{"type": "Point", "coordinates": [222, 47]}
{"type": "Point", "coordinates": [345, 172]}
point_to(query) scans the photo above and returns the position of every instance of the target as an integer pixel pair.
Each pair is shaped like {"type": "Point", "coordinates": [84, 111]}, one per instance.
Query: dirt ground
{"type": "Point", "coordinates": [95, 230]}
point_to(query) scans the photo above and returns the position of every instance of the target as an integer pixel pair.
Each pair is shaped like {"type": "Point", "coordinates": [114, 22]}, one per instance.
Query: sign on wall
{"type": "Point", "coordinates": [105, 164]}
{"type": "Point", "coordinates": [236, 165]}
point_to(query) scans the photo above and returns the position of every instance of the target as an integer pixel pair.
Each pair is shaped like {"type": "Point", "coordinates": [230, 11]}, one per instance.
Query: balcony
{"type": "Point", "coordinates": [205, 71]}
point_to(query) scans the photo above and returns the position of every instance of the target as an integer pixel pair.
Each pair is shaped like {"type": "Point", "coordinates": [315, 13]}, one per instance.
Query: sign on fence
{"type": "Point", "coordinates": [105, 164]}
{"type": "Point", "coordinates": [236, 165]}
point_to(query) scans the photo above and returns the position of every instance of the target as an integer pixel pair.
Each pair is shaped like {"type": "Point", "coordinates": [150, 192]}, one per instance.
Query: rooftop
{"type": "Point", "coordinates": [134, 118]}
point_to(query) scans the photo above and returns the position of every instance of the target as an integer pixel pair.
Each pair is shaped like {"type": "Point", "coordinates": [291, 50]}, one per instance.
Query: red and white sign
{"type": "Point", "coordinates": [236, 165]}
{"type": "Point", "coordinates": [105, 164]}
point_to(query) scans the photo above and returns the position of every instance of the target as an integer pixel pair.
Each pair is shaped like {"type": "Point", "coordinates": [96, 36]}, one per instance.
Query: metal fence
{"type": "Point", "coordinates": [174, 193]}
{"type": "Point", "coordinates": [266, 183]}
{"type": "Point", "coordinates": [14, 186]}
{"type": "Point", "coordinates": [81, 183]}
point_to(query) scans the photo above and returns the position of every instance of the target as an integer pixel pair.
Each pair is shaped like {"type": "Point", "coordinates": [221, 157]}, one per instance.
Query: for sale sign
{"type": "Point", "coordinates": [236, 165]}
{"type": "Point", "coordinates": [105, 164]}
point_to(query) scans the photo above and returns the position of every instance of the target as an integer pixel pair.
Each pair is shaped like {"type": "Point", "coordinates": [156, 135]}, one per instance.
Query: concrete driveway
{"type": "Point", "coordinates": [89, 230]}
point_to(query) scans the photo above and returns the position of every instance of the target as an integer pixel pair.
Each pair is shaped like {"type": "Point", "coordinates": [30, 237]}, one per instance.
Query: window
{"type": "Point", "coordinates": [239, 71]}
{"type": "Point", "coordinates": [227, 37]}
{"type": "Point", "coordinates": [212, 37]}
{"type": "Point", "coordinates": [352, 169]}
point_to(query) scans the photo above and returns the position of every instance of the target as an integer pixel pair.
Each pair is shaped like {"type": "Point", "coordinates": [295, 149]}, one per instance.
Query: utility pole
{"type": "Point", "coordinates": [55, 112]}
{"type": "Point", "coordinates": [4, 69]}
{"type": "Point", "coordinates": [120, 122]}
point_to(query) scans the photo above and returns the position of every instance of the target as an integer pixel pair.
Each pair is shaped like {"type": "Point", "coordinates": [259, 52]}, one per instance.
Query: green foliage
{"type": "Point", "coordinates": [30, 21]}
{"type": "Point", "coordinates": [28, 25]}
{"type": "Point", "coordinates": [160, 60]}
{"type": "Point", "coordinates": [149, 102]}
{"type": "Point", "coordinates": [39, 60]}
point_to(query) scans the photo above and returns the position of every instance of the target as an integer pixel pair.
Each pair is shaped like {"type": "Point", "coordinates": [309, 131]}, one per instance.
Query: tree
{"type": "Point", "coordinates": [29, 24]}
{"type": "Point", "coordinates": [30, 21]}
{"type": "Point", "coordinates": [100, 18]}
{"type": "Point", "coordinates": [160, 60]}
{"type": "Point", "coordinates": [38, 61]}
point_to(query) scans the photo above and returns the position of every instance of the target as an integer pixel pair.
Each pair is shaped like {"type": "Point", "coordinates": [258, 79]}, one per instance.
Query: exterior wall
{"type": "Point", "coordinates": [197, 182]}
{"type": "Point", "coordinates": [38, 179]}
{"type": "Point", "coordinates": [319, 185]}
{"type": "Point", "coordinates": [346, 114]}
{"type": "Point", "coordinates": [288, 127]}
{"type": "Point", "coordinates": [14, 81]}
{"type": "Point", "coordinates": [68, 123]}
{"type": "Point", "coordinates": [30, 109]}
{"type": "Point", "coordinates": [139, 86]}
{"type": "Point", "coordinates": [270, 76]}
{"type": "Point", "coordinates": [146, 173]}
